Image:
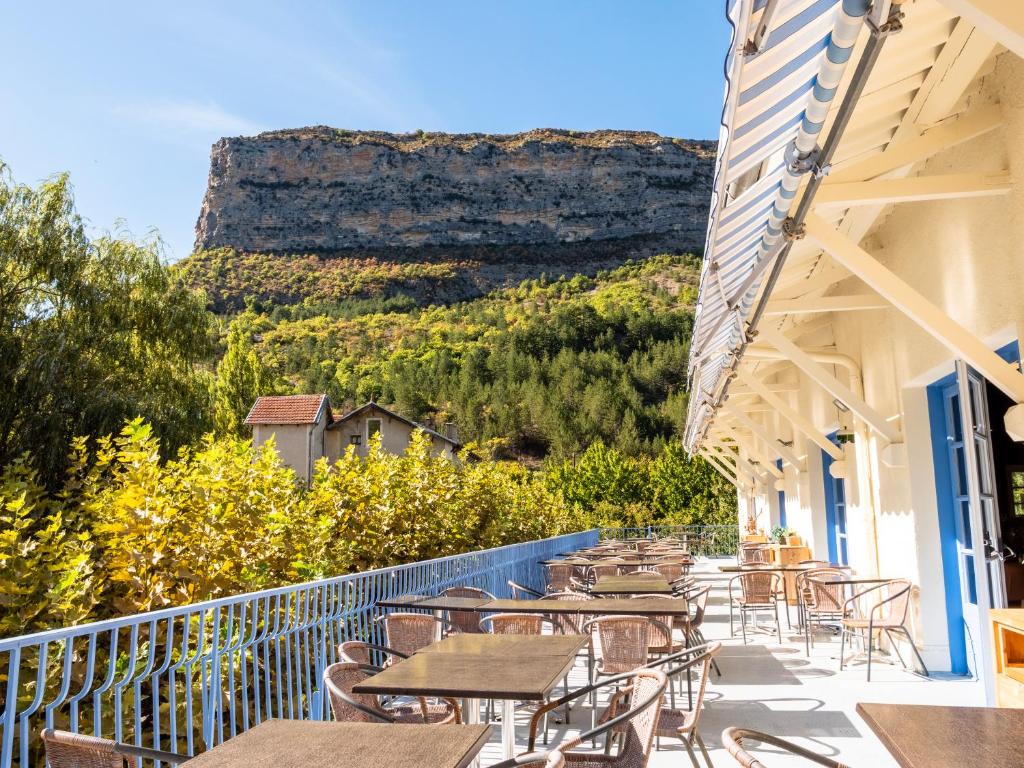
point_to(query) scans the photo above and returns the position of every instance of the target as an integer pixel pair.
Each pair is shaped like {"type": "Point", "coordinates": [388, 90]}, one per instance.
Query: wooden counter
{"type": "Point", "coordinates": [1008, 651]}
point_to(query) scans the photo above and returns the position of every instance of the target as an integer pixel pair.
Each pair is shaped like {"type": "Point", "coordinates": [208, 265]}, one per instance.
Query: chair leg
{"type": "Point", "coordinates": [871, 644]}
{"type": "Point", "coordinates": [842, 648]}
{"type": "Point", "coordinates": [689, 748]}
{"type": "Point", "coordinates": [732, 629]}
{"type": "Point", "coordinates": [743, 623]}
{"type": "Point", "coordinates": [704, 749]}
{"type": "Point", "coordinates": [807, 638]}
{"type": "Point", "coordinates": [895, 647]}
{"type": "Point", "coordinates": [778, 627]}
{"type": "Point", "coordinates": [913, 647]}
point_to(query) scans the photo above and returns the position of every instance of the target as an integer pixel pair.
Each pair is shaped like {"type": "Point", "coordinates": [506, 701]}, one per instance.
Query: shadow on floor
{"type": "Point", "coordinates": [786, 717]}
{"type": "Point", "coordinates": [761, 665]}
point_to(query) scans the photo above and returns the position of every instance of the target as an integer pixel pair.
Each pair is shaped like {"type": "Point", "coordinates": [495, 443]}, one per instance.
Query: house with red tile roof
{"type": "Point", "coordinates": [305, 429]}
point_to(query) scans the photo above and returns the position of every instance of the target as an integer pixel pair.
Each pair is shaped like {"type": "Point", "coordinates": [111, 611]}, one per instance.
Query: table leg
{"type": "Point", "coordinates": [508, 728]}
{"type": "Point", "coordinates": [471, 716]}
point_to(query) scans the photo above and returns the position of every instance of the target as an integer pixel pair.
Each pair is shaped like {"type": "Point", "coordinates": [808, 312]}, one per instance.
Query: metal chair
{"type": "Point", "coordinates": [465, 621]}
{"type": "Point", "coordinates": [733, 738]}
{"type": "Point", "coordinates": [516, 624]}
{"type": "Point", "coordinates": [359, 652]}
{"type": "Point", "coordinates": [692, 625]}
{"type": "Point", "coordinates": [558, 576]}
{"type": "Point", "coordinates": [753, 553]}
{"type": "Point", "coordinates": [409, 632]}
{"type": "Point", "coordinates": [76, 750]}
{"type": "Point", "coordinates": [552, 759]}
{"type": "Point", "coordinates": [632, 714]}
{"type": "Point", "coordinates": [683, 723]}
{"type": "Point", "coordinates": [624, 640]}
{"type": "Point", "coordinates": [821, 599]}
{"type": "Point", "coordinates": [759, 590]}
{"type": "Point", "coordinates": [519, 592]}
{"type": "Point", "coordinates": [888, 615]}
{"type": "Point", "coordinates": [340, 678]}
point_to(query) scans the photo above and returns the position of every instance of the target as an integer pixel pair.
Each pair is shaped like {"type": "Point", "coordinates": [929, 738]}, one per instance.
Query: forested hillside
{"type": "Point", "coordinates": [543, 369]}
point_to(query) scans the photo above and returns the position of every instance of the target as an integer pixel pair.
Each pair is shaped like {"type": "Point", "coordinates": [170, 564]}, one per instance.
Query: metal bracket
{"type": "Point", "coordinates": [791, 230]}
{"type": "Point", "coordinates": [800, 165]}
{"type": "Point", "coordinates": [891, 26]}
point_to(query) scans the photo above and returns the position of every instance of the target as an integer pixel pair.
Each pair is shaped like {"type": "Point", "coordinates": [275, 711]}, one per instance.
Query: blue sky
{"type": "Point", "coordinates": [129, 97]}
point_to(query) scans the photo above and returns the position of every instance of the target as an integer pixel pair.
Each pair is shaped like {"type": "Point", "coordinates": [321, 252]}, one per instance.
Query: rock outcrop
{"type": "Point", "coordinates": [321, 190]}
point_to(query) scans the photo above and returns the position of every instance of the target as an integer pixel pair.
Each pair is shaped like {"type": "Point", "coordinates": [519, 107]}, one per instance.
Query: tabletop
{"type": "Point", "coordinates": [509, 645]}
{"type": "Point", "coordinates": [441, 603]}
{"type": "Point", "coordinates": [773, 568]}
{"type": "Point", "coordinates": [632, 585]}
{"type": "Point", "coordinates": [533, 606]}
{"type": "Point", "coordinates": [521, 674]}
{"type": "Point", "coordinates": [305, 743]}
{"type": "Point", "coordinates": [658, 606]}
{"type": "Point", "coordinates": [924, 736]}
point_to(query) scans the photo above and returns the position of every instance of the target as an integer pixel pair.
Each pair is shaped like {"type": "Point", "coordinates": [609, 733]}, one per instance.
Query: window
{"type": "Point", "coordinates": [1017, 490]}
{"type": "Point", "coordinates": [355, 439]}
{"type": "Point", "coordinates": [372, 428]}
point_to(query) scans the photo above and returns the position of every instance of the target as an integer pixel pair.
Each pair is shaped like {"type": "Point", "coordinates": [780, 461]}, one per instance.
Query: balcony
{"type": "Point", "coordinates": [190, 678]}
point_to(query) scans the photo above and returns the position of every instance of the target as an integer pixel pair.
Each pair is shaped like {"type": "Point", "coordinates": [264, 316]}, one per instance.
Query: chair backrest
{"type": "Point", "coordinates": [568, 624]}
{"type": "Point", "coordinates": [671, 571]}
{"type": "Point", "coordinates": [824, 593]}
{"type": "Point", "coordinates": [466, 621]}
{"type": "Point", "coordinates": [409, 632]}
{"type": "Point", "coordinates": [700, 657]}
{"type": "Point", "coordinates": [661, 627]}
{"type": "Point", "coordinates": [624, 641]}
{"type": "Point", "coordinates": [355, 651]}
{"type": "Point", "coordinates": [641, 726]}
{"type": "Point", "coordinates": [698, 598]}
{"type": "Point", "coordinates": [349, 707]}
{"type": "Point", "coordinates": [519, 592]}
{"type": "Point", "coordinates": [895, 604]}
{"type": "Point", "coordinates": [755, 553]}
{"type": "Point", "coordinates": [595, 572]}
{"type": "Point", "coordinates": [515, 623]}
{"type": "Point", "coordinates": [759, 586]}
{"type": "Point", "coordinates": [558, 575]}
{"type": "Point", "coordinates": [76, 750]}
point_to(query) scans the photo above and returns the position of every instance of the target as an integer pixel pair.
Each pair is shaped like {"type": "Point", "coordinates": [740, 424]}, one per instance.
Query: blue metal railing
{"type": "Point", "coordinates": [184, 679]}
{"type": "Point", "coordinates": [704, 540]}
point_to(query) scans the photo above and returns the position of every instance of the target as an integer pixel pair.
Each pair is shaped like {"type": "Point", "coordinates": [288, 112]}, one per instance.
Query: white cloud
{"type": "Point", "coordinates": [190, 117]}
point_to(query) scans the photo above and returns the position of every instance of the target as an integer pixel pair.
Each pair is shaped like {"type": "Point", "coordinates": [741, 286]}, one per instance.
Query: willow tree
{"type": "Point", "coordinates": [92, 332]}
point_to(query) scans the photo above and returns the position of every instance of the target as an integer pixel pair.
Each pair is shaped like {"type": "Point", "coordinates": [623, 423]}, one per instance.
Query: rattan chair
{"type": "Point", "coordinates": [753, 553]}
{"type": "Point", "coordinates": [733, 738]}
{"type": "Point", "coordinates": [632, 714]}
{"type": "Point", "coordinates": [672, 571]}
{"type": "Point", "coordinates": [76, 750]}
{"type": "Point", "coordinates": [888, 615]}
{"type": "Point", "coordinates": [409, 632]}
{"type": "Point", "coordinates": [558, 576]}
{"type": "Point", "coordinates": [552, 759]}
{"type": "Point", "coordinates": [692, 626]}
{"type": "Point", "coordinates": [519, 592]}
{"type": "Point", "coordinates": [465, 621]}
{"type": "Point", "coordinates": [679, 722]}
{"type": "Point", "coordinates": [821, 599]}
{"type": "Point", "coordinates": [758, 591]}
{"type": "Point", "coordinates": [516, 624]}
{"type": "Point", "coordinates": [349, 707]}
{"type": "Point", "coordinates": [361, 652]}
{"type": "Point", "coordinates": [625, 642]}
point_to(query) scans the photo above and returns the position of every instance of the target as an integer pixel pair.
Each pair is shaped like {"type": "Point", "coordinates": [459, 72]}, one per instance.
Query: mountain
{"type": "Point", "coordinates": [326, 214]}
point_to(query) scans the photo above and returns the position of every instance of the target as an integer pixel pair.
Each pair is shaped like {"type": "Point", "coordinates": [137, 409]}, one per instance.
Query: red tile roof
{"type": "Point", "coordinates": [286, 409]}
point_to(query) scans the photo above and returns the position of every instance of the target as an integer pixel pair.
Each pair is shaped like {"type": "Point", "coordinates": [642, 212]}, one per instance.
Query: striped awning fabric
{"type": "Point", "coordinates": [778, 91]}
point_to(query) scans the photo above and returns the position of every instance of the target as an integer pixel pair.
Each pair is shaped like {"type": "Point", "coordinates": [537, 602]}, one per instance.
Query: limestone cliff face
{"type": "Point", "coordinates": [323, 190]}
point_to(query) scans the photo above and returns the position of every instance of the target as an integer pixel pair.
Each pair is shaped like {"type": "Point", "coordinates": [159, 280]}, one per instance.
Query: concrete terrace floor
{"type": "Point", "coordinates": [777, 688]}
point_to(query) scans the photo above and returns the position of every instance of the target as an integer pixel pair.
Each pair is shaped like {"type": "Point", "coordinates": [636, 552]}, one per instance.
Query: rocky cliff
{"type": "Point", "coordinates": [323, 191]}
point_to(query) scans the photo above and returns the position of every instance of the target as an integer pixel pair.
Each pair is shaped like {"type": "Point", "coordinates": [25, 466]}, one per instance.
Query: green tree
{"type": "Point", "coordinates": [92, 332]}
{"type": "Point", "coordinates": [241, 378]}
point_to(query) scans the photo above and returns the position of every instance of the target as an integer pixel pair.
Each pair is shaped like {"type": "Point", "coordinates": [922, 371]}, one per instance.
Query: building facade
{"type": "Point", "coordinates": [855, 370]}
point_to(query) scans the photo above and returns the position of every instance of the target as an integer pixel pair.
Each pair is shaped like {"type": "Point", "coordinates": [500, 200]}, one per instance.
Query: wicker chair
{"type": "Point", "coordinates": [76, 750]}
{"type": "Point", "coordinates": [349, 707]}
{"type": "Point", "coordinates": [516, 624]}
{"type": "Point", "coordinates": [625, 642]}
{"type": "Point", "coordinates": [758, 591]}
{"type": "Point", "coordinates": [595, 572]}
{"type": "Point", "coordinates": [466, 621]}
{"type": "Point", "coordinates": [409, 632]}
{"type": "Point", "coordinates": [519, 592]}
{"type": "Point", "coordinates": [672, 571]}
{"type": "Point", "coordinates": [692, 626]}
{"type": "Point", "coordinates": [821, 599]}
{"type": "Point", "coordinates": [679, 722]}
{"type": "Point", "coordinates": [558, 576]}
{"type": "Point", "coordinates": [633, 714]}
{"type": "Point", "coordinates": [888, 615]}
{"type": "Point", "coordinates": [360, 652]}
{"type": "Point", "coordinates": [753, 553]}
{"type": "Point", "coordinates": [553, 759]}
{"type": "Point", "coordinates": [733, 738]}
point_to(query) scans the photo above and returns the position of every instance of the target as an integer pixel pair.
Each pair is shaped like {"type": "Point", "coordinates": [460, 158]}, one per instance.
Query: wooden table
{"type": "Point", "coordinates": [596, 606]}
{"type": "Point", "coordinates": [307, 743]}
{"type": "Point", "coordinates": [655, 584]}
{"type": "Point", "coordinates": [922, 736]}
{"type": "Point", "coordinates": [509, 668]}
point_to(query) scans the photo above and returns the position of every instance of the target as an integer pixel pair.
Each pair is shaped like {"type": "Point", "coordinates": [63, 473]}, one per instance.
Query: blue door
{"type": "Point", "coordinates": [835, 511]}
{"type": "Point", "coordinates": [782, 498]}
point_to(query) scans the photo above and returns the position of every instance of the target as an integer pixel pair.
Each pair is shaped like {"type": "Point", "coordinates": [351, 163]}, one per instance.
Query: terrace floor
{"type": "Point", "coordinates": [778, 689]}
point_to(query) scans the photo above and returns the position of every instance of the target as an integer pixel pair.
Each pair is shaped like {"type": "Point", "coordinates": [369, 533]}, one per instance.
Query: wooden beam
{"type": "Point", "coordinates": [767, 463]}
{"type": "Point", "coordinates": [817, 372]}
{"type": "Point", "coordinates": [761, 431]}
{"type": "Point", "coordinates": [970, 126]}
{"type": "Point", "coordinates": [786, 411]}
{"type": "Point", "coordinates": [914, 189]}
{"type": "Point", "coordinates": [915, 306]}
{"type": "Point", "coordinates": [1002, 20]}
{"type": "Point", "coordinates": [719, 467]}
{"type": "Point", "coordinates": [816, 304]}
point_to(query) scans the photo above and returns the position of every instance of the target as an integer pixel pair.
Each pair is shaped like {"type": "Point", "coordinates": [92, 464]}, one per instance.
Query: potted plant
{"type": "Point", "coordinates": [793, 539]}
{"type": "Point", "coordinates": [779, 533]}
